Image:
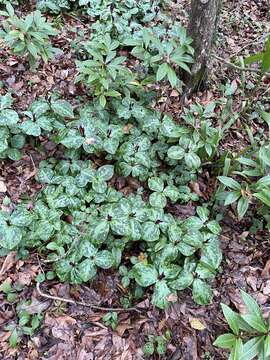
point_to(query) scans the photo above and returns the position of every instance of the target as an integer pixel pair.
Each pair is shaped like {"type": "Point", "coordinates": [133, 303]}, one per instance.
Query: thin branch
{"type": "Point", "coordinates": [70, 301]}
{"type": "Point", "coordinates": [259, 40]}
{"type": "Point", "coordinates": [236, 66]}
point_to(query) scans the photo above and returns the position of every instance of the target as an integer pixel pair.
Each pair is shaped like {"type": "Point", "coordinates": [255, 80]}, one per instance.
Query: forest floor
{"type": "Point", "coordinates": [71, 331]}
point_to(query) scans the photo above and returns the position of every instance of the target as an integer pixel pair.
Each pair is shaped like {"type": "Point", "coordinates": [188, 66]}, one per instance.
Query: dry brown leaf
{"type": "Point", "coordinates": [3, 187]}
{"type": "Point", "coordinates": [8, 263]}
{"type": "Point", "coordinates": [196, 324]}
{"type": "Point", "coordinates": [266, 270]}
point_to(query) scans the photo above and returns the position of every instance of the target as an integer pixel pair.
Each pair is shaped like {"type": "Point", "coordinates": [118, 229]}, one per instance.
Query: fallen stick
{"type": "Point", "coordinates": [74, 302]}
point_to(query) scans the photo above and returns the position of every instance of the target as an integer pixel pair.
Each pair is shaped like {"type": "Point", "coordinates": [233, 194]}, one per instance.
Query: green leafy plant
{"type": "Point", "coordinates": [122, 18]}
{"type": "Point", "coordinates": [108, 198]}
{"type": "Point", "coordinates": [162, 56]}
{"type": "Point", "coordinates": [155, 344]}
{"type": "Point", "coordinates": [27, 324]}
{"type": "Point", "coordinates": [104, 72]}
{"type": "Point", "coordinates": [110, 319]}
{"type": "Point", "coordinates": [263, 58]}
{"type": "Point", "coordinates": [249, 337]}
{"type": "Point", "coordinates": [253, 184]}
{"type": "Point", "coordinates": [8, 290]}
{"type": "Point", "coordinates": [11, 139]}
{"type": "Point", "coordinates": [28, 36]}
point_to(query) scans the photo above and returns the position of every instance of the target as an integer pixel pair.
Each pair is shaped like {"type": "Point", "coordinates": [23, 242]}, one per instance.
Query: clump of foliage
{"type": "Point", "coordinates": [162, 53]}
{"type": "Point", "coordinates": [249, 180]}
{"type": "Point", "coordinates": [79, 220]}
{"type": "Point", "coordinates": [156, 344]}
{"type": "Point", "coordinates": [55, 6]}
{"type": "Point", "coordinates": [263, 58]}
{"type": "Point", "coordinates": [110, 319]}
{"type": "Point", "coordinates": [42, 117]}
{"type": "Point", "coordinates": [28, 36]}
{"type": "Point", "coordinates": [28, 319]}
{"type": "Point", "coordinates": [104, 72]}
{"type": "Point", "coordinates": [249, 337]}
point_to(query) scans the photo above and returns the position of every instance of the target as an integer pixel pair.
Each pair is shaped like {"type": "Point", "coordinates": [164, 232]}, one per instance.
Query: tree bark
{"type": "Point", "coordinates": [201, 28]}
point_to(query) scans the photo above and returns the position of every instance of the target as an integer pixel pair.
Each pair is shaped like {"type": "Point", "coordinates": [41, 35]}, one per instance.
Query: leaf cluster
{"type": "Point", "coordinates": [250, 326]}
{"type": "Point", "coordinates": [29, 36]}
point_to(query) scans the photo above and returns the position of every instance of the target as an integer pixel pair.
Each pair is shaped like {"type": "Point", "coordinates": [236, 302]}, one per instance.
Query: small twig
{"type": "Point", "coordinates": [236, 66]}
{"type": "Point", "coordinates": [259, 40]}
{"type": "Point", "coordinates": [70, 301]}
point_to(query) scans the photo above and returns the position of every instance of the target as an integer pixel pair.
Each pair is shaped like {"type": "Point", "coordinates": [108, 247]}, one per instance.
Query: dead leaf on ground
{"type": "Point", "coordinates": [196, 324]}
{"type": "Point", "coordinates": [266, 270]}
{"type": "Point", "coordinates": [8, 263]}
{"type": "Point", "coordinates": [3, 187]}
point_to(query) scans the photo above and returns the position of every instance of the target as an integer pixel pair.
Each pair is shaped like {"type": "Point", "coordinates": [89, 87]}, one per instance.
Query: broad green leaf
{"type": "Point", "coordinates": [214, 227]}
{"type": "Point", "coordinates": [100, 230]}
{"type": "Point", "coordinates": [251, 348]}
{"type": "Point", "coordinates": [231, 197]}
{"type": "Point", "coordinates": [17, 141]}
{"type": "Point", "coordinates": [8, 117]}
{"type": "Point", "coordinates": [192, 160]}
{"type": "Point", "coordinates": [156, 184]}
{"type": "Point", "coordinates": [254, 58]}
{"type": "Point", "coordinates": [87, 249]}
{"type": "Point", "coordinates": [171, 129]}
{"type": "Point", "coordinates": [267, 346]}
{"type": "Point", "coordinates": [229, 182]}
{"type": "Point", "coordinates": [266, 57]}
{"type": "Point", "coordinates": [251, 304]}
{"type": "Point", "coordinates": [237, 349]}
{"type": "Point", "coordinates": [150, 231]}
{"type": "Point", "coordinates": [105, 172]}
{"type": "Point", "coordinates": [203, 213]}
{"type": "Point", "coordinates": [145, 275]}
{"type": "Point", "coordinates": [176, 152]}
{"type": "Point", "coordinates": [194, 238]}
{"type": "Point", "coordinates": [21, 217]}
{"type": "Point", "coordinates": [40, 107]}
{"type": "Point", "coordinates": [225, 341]}
{"type": "Point", "coordinates": [86, 270]}
{"type": "Point", "coordinates": [30, 128]}
{"type": "Point", "coordinates": [102, 101]}
{"type": "Point", "coordinates": [62, 108]}
{"type": "Point", "coordinates": [264, 196]}
{"type": "Point", "coordinates": [162, 71]}
{"type": "Point", "coordinates": [255, 322]}
{"type": "Point", "coordinates": [13, 339]}
{"type": "Point", "coordinates": [157, 200]}
{"type": "Point", "coordinates": [10, 237]}
{"type": "Point", "coordinates": [161, 294]}
{"type": "Point", "coordinates": [211, 255]}
{"type": "Point", "coordinates": [172, 193]}
{"type": "Point", "coordinates": [242, 206]}
{"type": "Point", "coordinates": [104, 259]}
{"type": "Point", "coordinates": [63, 269]}
{"type": "Point", "coordinates": [265, 116]}
{"type": "Point", "coordinates": [231, 317]}
{"type": "Point", "coordinates": [263, 182]}
{"type": "Point", "coordinates": [201, 292]}
{"type": "Point", "coordinates": [183, 281]}
{"type": "Point", "coordinates": [172, 77]}
{"type": "Point", "coordinates": [73, 141]}
{"type": "Point", "coordinates": [186, 249]}
{"type": "Point", "coordinates": [120, 226]}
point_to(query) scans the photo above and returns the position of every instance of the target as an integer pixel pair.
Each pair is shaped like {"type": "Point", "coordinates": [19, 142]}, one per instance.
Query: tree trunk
{"type": "Point", "coordinates": [201, 28]}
